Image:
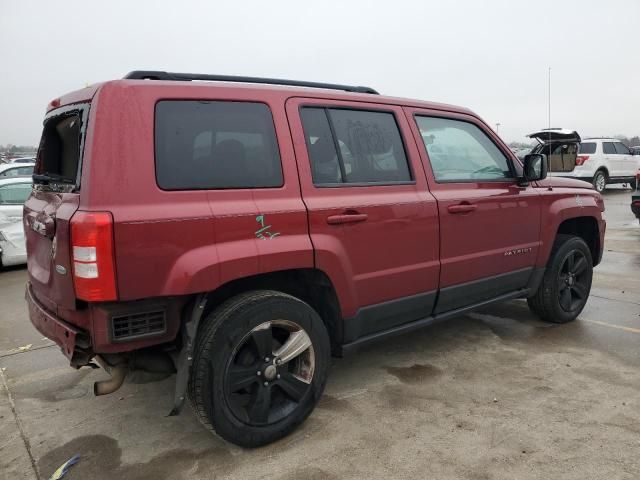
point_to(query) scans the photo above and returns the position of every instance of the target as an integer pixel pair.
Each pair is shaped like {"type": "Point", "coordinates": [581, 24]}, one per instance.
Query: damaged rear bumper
{"type": "Point", "coordinates": [73, 342]}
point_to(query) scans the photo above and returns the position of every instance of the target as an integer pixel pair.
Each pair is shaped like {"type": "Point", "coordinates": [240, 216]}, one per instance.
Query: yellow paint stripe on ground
{"type": "Point", "coordinates": [610, 325]}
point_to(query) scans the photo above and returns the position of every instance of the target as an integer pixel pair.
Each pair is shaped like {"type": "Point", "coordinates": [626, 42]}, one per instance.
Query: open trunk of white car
{"type": "Point", "coordinates": [561, 147]}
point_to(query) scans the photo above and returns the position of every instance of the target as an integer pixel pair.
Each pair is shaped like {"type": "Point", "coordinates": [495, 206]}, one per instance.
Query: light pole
{"type": "Point", "coordinates": [497, 128]}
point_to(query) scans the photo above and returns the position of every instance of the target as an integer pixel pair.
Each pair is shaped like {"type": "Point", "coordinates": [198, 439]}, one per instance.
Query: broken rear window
{"type": "Point", "coordinates": [60, 149]}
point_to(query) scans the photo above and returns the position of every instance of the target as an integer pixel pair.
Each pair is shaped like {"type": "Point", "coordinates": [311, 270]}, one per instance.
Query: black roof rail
{"type": "Point", "coordinates": [186, 77]}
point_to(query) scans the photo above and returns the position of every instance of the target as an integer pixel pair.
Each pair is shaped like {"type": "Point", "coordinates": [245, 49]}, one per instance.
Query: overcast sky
{"type": "Point", "coordinates": [491, 56]}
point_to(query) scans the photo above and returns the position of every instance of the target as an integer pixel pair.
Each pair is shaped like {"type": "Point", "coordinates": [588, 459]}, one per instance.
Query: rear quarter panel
{"type": "Point", "coordinates": [181, 242]}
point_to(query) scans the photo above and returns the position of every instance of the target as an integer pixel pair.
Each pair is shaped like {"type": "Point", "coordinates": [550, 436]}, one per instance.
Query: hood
{"type": "Point", "coordinates": [550, 135]}
{"type": "Point", "coordinates": [561, 182]}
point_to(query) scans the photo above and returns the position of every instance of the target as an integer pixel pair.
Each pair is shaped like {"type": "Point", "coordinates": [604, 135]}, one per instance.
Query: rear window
{"type": "Point", "coordinates": [60, 147]}
{"type": "Point", "coordinates": [215, 145]}
{"type": "Point", "coordinates": [589, 147]}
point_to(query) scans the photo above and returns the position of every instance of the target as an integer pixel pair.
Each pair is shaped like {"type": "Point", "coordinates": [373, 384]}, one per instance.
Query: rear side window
{"type": "Point", "coordinates": [607, 147]}
{"type": "Point", "coordinates": [354, 147]}
{"type": "Point", "coordinates": [14, 194]}
{"type": "Point", "coordinates": [587, 148]}
{"type": "Point", "coordinates": [460, 152]}
{"type": "Point", "coordinates": [60, 147]}
{"type": "Point", "coordinates": [621, 148]}
{"type": "Point", "coordinates": [215, 145]}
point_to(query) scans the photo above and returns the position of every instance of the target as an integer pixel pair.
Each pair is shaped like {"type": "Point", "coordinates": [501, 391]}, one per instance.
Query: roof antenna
{"type": "Point", "coordinates": [549, 103]}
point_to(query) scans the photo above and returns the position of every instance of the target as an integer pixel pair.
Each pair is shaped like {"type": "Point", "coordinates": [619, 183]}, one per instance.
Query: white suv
{"type": "Point", "coordinates": [600, 161]}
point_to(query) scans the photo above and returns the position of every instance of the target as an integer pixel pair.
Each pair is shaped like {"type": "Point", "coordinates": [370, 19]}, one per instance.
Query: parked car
{"type": "Point", "coordinates": [13, 170]}
{"type": "Point", "coordinates": [635, 197]}
{"type": "Point", "coordinates": [268, 227]}
{"type": "Point", "coordinates": [24, 160]}
{"type": "Point", "coordinates": [12, 244]}
{"type": "Point", "coordinates": [635, 150]}
{"type": "Point", "coordinates": [600, 161]}
{"type": "Point", "coordinates": [13, 193]}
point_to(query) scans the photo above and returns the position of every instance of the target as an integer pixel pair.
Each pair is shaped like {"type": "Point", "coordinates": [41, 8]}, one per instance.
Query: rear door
{"type": "Point", "coordinates": [53, 202]}
{"type": "Point", "coordinates": [373, 223]}
{"type": "Point", "coordinates": [611, 159]}
{"type": "Point", "coordinates": [489, 225]}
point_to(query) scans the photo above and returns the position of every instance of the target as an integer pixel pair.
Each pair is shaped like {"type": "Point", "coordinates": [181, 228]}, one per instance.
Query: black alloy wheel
{"type": "Point", "coordinates": [573, 284]}
{"type": "Point", "coordinates": [269, 373]}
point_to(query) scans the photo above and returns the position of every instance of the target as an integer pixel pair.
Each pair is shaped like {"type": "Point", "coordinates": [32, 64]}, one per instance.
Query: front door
{"type": "Point", "coordinates": [489, 225]}
{"type": "Point", "coordinates": [627, 162]}
{"type": "Point", "coordinates": [372, 221]}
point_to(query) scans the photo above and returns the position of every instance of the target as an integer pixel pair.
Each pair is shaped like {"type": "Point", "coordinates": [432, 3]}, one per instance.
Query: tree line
{"type": "Point", "coordinates": [10, 148]}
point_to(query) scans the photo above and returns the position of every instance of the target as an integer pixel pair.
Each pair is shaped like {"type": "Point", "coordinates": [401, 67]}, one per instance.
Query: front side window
{"type": "Point", "coordinates": [609, 148]}
{"type": "Point", "coordinates": [621, 149]}
{"type": "Point", "coordinates": [215, 145]}
{"type": "Point", "coordinates": [461, 152]}
{"type": "Point", "coordinates": [14, 194]}
{"type": "Point", "coordinates": [354, 147]}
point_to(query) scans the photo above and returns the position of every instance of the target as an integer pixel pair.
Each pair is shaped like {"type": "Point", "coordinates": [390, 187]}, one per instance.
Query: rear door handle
{"type": "Point", "coordinates": [347, 218]}
{"type": "Point", "coordinates": [462, 208]}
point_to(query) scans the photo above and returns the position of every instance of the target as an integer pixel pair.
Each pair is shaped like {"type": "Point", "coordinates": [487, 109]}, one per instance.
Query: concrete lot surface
{"type": "Point", "coordinates": [495, 394]}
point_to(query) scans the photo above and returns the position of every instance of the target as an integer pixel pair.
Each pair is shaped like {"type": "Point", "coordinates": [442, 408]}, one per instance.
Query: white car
{"type": "Point", "coordinates": [24, 160]}
{"type": "Point", "coordinates": [600, 161]}
{"type": "Point", "coordinates": [16, 169]}
{"type": "Point", "coordinates": [13, 193]}
{"type": "Point", "coordinates": [13, 249]}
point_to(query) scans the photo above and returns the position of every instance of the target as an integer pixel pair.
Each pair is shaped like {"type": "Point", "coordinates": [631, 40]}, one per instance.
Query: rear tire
{"type": "Point", "coordinates": [566, 284]}
{"type": "Point", "coordinates": [600, 181]}
{"type": "Point", "coordinates": [260, 366]}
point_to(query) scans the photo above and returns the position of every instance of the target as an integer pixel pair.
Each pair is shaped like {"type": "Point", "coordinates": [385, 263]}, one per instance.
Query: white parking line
{"type": "Point", "coordinates": [610, 325]}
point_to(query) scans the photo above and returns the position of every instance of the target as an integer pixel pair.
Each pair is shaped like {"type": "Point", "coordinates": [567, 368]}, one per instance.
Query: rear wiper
{"type": "Point", "coordinates": [50, 177]}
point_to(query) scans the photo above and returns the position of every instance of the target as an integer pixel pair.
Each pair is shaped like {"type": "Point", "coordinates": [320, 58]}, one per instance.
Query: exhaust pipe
{"type": "Point", "coordinates": [105, 387]}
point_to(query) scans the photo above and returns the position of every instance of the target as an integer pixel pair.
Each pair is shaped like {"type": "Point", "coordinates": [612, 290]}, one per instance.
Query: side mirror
{"type": "Point", "coordinates": [535, 168]}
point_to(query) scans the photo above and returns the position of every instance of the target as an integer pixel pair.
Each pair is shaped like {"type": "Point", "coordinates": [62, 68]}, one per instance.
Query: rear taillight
{"type": "Point", "coordinates": [94, 276]}
{"type": "Point", "coordinates": [580, 159]}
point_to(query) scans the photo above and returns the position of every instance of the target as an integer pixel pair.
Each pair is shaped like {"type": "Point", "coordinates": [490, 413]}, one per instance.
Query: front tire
{"type": "Point", "coordinates": [566, 284]}
{"type": "Point", "coordinates": [260, 366]}
{"type": "Point", "coordinates": [600, 181]}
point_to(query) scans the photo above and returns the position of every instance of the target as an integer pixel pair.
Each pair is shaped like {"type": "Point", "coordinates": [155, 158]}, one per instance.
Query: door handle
{"type": "Point", "coordinates": [347, 217]}
{"type": "Point", "coordinates": [462, 208]}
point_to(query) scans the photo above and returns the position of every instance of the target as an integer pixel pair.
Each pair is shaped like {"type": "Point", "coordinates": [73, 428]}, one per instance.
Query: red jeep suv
{"type": "Point", "coordinates": [237, 231]}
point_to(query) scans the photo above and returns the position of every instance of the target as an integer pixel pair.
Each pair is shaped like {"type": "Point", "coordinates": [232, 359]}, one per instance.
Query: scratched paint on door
{"type": "Point", "coordinates": [264, 232]}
